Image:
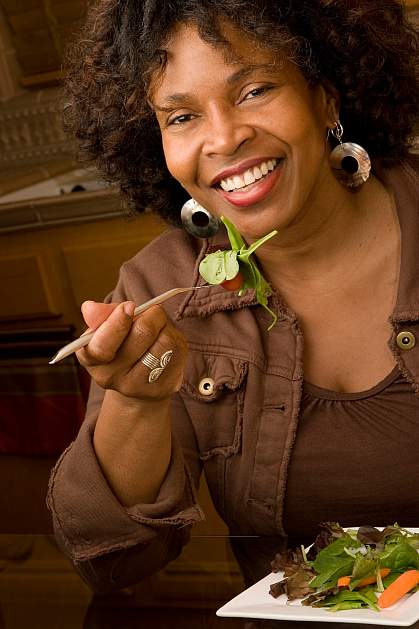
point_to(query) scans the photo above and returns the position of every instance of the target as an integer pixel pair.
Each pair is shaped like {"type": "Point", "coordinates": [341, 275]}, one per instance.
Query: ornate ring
{"type": "Point", "coordinates": [155, 364]}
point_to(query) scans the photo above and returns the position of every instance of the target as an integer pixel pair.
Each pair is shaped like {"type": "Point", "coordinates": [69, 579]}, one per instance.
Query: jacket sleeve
{"type": "Point", "coordinates": [110, 545]}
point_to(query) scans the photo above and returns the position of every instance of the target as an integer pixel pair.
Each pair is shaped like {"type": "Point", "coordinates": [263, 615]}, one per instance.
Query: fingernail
{"type": "Point", "coordinates": [129, 308]}
{"type": "Point", "coordinates": [88, 301]}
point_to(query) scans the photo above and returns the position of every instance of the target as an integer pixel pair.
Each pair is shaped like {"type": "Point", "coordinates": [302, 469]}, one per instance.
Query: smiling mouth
{"type": "Point", "coordinates": [245, 180]}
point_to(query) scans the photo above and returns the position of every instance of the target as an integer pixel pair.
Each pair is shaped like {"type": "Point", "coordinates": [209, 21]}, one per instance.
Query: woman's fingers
{"type": "Point", "coordinates": [150, 327]}
{"type": "Point", "coordinates": [109, 335]}
{"type": "Point", "coordinates": [166, 358]}
{"type": "Point", "coordinates": [113, 356]}
{"type": "Point", "coordinates": [95, 313]}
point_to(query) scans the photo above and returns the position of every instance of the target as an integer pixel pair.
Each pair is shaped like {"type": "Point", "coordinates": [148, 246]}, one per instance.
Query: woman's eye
{"type": "Point", "coordinates": [257, 91]}
{"type": "Point", "coordinates": [180, 119]}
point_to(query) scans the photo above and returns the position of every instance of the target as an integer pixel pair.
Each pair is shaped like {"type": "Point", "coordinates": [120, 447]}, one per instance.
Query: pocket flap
{"type": "Point", "coordinates": [224, 372]}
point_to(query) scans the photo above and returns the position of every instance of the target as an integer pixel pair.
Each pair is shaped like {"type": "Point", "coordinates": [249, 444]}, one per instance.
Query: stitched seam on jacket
{"type": "Point", "coordinates": [276, 370]}
{"type": "Point", "coordinates": [401, 364]}
{"type": "Point", "coordinates": [235, 447]}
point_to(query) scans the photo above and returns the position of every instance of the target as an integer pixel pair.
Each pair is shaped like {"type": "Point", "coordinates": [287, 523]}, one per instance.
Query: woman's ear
{"type": "Point", "coordinates": [332, 102]}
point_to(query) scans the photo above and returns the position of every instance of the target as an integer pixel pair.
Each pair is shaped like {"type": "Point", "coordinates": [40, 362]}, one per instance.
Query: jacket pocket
{"type": "Point", "coordinates": [213, 392]}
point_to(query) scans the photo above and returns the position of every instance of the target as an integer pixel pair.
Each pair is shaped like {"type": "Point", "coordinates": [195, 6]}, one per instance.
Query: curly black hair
{"type": "Point", "coordinates": [366, 49]}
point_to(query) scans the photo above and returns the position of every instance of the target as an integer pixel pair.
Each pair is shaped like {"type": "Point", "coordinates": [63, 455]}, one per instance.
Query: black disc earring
{"type": "Point", "coordinates": [198, 221]}
{"type": "Point", "coordinates": [349, 161]}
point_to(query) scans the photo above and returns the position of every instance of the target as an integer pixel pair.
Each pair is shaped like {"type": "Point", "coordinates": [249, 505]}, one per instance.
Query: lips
{"type": "Point", "coordinates": [254, 192]}
{"type": "Point", "coordinates": [240, 169]}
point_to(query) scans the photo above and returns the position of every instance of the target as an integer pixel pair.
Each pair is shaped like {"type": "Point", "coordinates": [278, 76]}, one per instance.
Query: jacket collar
{"type": "Point", "coordinates": [403, 179]}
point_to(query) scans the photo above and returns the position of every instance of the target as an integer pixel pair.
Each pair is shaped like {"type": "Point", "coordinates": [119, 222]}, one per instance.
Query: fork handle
{"type": "Point", "coordinates": [86, 337]}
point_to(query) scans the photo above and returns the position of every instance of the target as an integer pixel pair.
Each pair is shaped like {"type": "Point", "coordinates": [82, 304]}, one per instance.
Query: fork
{"type": "Point", "coordinates": [87, 336]}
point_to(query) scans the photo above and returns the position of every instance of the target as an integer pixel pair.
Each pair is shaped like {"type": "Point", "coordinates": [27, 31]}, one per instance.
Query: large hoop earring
{"type": "Point", "coordinates": [350, 162]}
{"type": "Point", "coordinates": [198, 221]}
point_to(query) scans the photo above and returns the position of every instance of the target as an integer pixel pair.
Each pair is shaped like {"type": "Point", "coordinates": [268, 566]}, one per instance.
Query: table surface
{"type": "Point", "coordinates": [39, 589]}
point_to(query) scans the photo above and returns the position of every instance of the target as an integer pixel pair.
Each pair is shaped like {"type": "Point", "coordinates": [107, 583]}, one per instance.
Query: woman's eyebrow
{"type": "Point", "coordinates": [246, 70]}
{"type": "Point", "coordinates": [171, 100]}
{"type": "Point", "coordinates": [177, 98]}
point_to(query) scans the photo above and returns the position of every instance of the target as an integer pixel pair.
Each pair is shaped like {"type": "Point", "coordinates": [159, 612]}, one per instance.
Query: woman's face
{"type": "Point", "coordinates": [246, 139]}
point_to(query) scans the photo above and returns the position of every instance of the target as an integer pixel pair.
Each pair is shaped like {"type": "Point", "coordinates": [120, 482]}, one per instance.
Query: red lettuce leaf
{"type": "Point", "coordinates": [329, 532]}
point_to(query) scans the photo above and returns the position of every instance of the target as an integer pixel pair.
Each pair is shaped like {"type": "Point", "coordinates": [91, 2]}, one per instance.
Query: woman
{"type": "Point", "coordinates": [241, 105]}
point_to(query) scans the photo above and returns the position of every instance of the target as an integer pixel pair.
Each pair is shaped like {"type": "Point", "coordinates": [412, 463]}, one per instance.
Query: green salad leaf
{"type": "Point", "coordinates": [220, 266]}
{"type": "Point", "coordinates": [346, 599]}
{"type": "Point", "coordinates": [399, 557]}
{"type": "Point", "coordinates": [364, 566]}
{"type": "Point", "coordinates": [331, 565]}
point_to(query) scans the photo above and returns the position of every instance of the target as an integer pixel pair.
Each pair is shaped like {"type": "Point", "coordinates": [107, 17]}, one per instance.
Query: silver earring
{"type": "Point", "coordinates": [350, 162]}
{"type": "Point", "coordinates": [198, 221]}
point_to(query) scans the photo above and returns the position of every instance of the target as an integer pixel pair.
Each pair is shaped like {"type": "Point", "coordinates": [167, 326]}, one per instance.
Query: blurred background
{"type": "Point", "coordinates": [63, 237]}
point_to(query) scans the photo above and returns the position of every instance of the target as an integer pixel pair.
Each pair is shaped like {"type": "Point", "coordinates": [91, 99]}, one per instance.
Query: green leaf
{"type": "Point", "coordinates": [363, 567]}
{"type": "Point", "coordinates": [232, 266]}
{"type": "Point", "coordinates": [234, 235]}
{"type": "Point", "coordinates": [333, 562]}
{"type": "Point", "coordinates": [362, 596]}
{"type": "Point", "coordinates": [336, 567]}
{"type": "Point", "coordinates": [399, 557]}
{"type": "Point", "coordinates": [258, 243]}
{"type": "Point", "coordinates": [217, 267]}
{"type": "Point", "coordinates": [347, 605]}
{"type": "Point", "coordinates": [335, 549]}
{"type": "Point", "coordinates": [369, 593]}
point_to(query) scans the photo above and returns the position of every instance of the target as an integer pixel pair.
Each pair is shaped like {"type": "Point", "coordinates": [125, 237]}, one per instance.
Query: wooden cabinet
{"type": "Point", "coordinates": [46, 273]}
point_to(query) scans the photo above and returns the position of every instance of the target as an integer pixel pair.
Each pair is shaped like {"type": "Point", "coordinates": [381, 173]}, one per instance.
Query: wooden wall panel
{"type": "Point", "coordinates": [93, 268]}
{"type": "Point", "coordinates": [74, 263]}
{"type": "Point", "coordinates": [25, 291]}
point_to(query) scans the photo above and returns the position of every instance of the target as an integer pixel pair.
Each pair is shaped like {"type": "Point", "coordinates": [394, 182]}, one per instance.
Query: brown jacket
{"type": "Point", "coordinates": [241, 434]}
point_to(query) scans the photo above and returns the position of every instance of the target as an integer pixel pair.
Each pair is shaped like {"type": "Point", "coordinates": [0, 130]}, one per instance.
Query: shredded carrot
{"type": "Point", "coordinates": [345, 581]}
{"type": "Point", "coordinates": [401, 586]}
{"type": "Point", "coordinates": [369, 580]}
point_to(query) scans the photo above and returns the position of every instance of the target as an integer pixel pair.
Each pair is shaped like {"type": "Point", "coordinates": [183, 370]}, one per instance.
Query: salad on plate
{"type": "Point", "coordinates": [347, 569]}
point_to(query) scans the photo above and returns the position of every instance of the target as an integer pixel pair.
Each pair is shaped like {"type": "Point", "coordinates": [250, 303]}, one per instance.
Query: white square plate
{"type": "Point", "coordinates": [257, 603]}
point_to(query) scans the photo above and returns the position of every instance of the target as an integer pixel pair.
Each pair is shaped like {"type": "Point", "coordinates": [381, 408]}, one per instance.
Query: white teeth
{"type": "Point", "coordinates": [238, 181]}
{"type": "Point", "coordinates": [247, 178]}
{"type": "Point", "coordinates": [257, 172]}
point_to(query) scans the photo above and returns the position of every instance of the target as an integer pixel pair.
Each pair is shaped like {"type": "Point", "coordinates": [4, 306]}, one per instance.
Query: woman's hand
{"type": "Point", "coordinates": [113, 355]}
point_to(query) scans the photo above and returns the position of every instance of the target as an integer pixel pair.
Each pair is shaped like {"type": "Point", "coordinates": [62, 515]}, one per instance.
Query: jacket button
{"type": "Point", "coordinates": [406, 340]}
{"type": "Point", "coordinates": [206, 386]}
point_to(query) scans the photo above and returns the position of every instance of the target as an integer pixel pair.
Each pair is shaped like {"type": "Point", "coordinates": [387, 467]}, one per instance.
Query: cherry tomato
{"type": "Point", "coordinates": [233, 284]}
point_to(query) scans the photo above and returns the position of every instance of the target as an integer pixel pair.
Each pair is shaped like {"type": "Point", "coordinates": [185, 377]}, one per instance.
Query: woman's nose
{"type": "Point", "coordinates": [226, 132]}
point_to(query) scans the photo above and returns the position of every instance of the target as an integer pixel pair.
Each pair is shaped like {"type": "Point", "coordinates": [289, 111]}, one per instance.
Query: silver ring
{"type": "Point", "coordinates": [156, 365]}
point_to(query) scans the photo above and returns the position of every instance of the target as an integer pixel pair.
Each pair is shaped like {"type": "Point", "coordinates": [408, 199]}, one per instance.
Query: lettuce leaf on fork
{"type": "Point", "coordinates": [219, 266]}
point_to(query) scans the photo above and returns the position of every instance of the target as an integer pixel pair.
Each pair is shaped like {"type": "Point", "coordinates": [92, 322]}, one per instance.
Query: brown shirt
{"type": "Point", "coordinates": [242, 435]}
{"type": "Point", "coordinates": [355, 458]}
